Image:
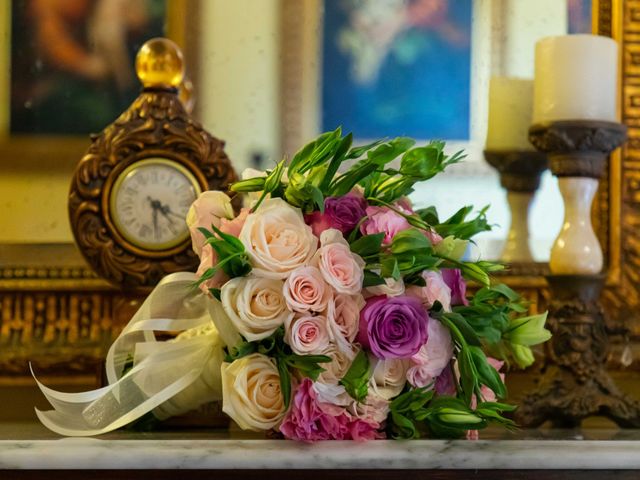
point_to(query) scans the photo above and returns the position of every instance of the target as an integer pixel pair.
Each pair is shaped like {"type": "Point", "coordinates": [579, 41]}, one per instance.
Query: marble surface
{"type": "Point", "coordinates": [30, 446]}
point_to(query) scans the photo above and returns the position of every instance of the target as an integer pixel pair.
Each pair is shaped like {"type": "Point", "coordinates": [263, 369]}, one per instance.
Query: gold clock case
{"type": "Point", "coordinates": [155, 125]}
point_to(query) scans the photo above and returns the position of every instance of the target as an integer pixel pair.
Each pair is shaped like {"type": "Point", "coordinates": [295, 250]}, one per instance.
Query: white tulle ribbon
{"type": "Point", "coordinates": [167, 377]}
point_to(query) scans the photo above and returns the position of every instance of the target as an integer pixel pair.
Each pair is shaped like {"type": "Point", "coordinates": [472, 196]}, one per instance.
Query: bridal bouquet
{"type": "Point", "coordinates": [327, 308]}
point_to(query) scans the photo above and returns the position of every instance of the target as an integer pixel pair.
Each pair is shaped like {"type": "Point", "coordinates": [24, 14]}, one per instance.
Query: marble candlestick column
{"type": "Point", "coordinates": [575, 384]}
{"type": "Point", "coordinates": [520, 172]}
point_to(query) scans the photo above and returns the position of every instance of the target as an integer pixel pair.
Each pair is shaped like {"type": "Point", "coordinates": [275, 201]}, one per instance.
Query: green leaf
{"type": "Point", "coordinates": [338, 157]}
{"type": "Point", "coordinates": [372, 279]}
{"type": "Point", "coordinates": [285, 381]}
{"type": "Point", "coordinates": [487, 375]}
{"type": "Point", "coordinates": [409, 240]}
{"type": "Point", "coordinates": [356, 380]}
{"type": "Point", "coordinates": [528, 331]}
{"type": "Point", "coordinates": [368, 244]}
{"type": "Point", "coordinates": [216, 293]}
{"type": "Point", "coordinates": [461, 325]}
{"type": "Point", "coordinates": [240, 350]}
{"type": "Point", "coordinates": [357, 152]}
{"type": "Point", "coordinates": [307, 365]}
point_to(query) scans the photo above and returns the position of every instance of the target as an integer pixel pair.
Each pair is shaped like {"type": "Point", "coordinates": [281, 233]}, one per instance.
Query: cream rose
{"type": "Point", "coordinates": [255, 306]}
{"type": "Point", "coordinates": [251, 393]}
{"type": "Point", "coordinates": [307, 335]}
{"type": "Point", "coordinates": [305, 290]}
{"type": "Point", "coordinates": [390, 288]}
{"type": "Point", "coordinates": [343, 314]}
{"type": "Point", "coordinates": [208, 209]}
{"type": "Point", "coordinates": [340, 363]}
{"type": "Point", "coordinates": [341, 268]}
{"type": "Point", "coordinates": [277, 240]}
{"type": "Point", "coordinates": [389, 377]}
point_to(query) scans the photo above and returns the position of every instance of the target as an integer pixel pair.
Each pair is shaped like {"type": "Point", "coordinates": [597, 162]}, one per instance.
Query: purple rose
{"type": "Point", "coordinates": [393, 327]}
{"type": "Point", "coordinates": [453, 278]}
{"type": "Point", "coordinates": [446, 382]}
{"type": "Point", "coordinates": [345, 212]}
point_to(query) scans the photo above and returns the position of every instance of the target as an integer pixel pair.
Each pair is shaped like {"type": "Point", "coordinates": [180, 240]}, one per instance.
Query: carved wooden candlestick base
{"type": "Point", "coordinates": [575, 384]}
{"type": "Point", "coordinates": [520, 173]}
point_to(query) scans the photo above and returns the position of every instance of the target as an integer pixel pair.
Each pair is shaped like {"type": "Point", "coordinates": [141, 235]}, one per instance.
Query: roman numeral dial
{"type": "Point", "coordinates": [149, 203]}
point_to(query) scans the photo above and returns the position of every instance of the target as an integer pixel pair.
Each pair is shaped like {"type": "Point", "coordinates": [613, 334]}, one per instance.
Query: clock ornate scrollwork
{"type": "Point", "coordinates": [131, 191]}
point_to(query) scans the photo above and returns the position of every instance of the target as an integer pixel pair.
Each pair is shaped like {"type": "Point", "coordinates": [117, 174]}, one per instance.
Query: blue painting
{"type": "Point", "coordinates": [579, 16]}
{"type": "Point", "coordinates": [397, 67]}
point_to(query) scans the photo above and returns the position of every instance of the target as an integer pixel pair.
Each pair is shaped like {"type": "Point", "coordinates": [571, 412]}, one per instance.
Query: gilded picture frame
{"type": "Point", "coordinates": [54, 311]}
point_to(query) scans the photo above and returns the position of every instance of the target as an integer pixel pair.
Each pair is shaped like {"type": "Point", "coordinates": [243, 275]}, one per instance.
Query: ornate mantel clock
{"type": "Point", "coordinates": [131, 191]}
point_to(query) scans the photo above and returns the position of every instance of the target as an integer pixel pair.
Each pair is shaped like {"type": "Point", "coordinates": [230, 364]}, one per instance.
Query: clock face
{"type": "Point", "coordinates": [149, 203]}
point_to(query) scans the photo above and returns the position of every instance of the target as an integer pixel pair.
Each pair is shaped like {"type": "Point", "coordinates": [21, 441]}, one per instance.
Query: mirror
{"type": "Point", "coordinates": [265, 82]}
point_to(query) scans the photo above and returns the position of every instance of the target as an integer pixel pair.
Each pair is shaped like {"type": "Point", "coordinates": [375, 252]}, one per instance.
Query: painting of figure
{"type": "Point", "coordinates": [72, 61]}
{"type": "Point", "coordinates": [397, 67]}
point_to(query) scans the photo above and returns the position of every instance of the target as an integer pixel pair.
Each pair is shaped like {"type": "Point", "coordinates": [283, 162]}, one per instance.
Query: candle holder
{"type": "Point", "coordinates": [575, 384]}
{"type": "Point", "coordinates": [520, 172]}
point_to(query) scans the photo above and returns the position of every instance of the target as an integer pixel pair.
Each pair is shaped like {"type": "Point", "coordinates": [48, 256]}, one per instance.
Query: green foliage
{"type": "Point", "coordinates": [286, 360]}
{"type": "Point", "coordinates": [458, 225]}
{"type": "Point", "coordinates": [356, 380]}
{"type": "Point", "coordinates": [232, 258]}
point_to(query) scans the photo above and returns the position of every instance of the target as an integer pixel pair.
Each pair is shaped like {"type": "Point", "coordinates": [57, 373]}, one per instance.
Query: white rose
{"type": "Point", "coordinates": [391, 288]}
{"type": "Point", "coordinates": [251, 393]}
{"type": "Point", "coordinates": [333, 394]}
{"type": "Point", "coordinates": [433, 356]}
{"type": "Point", "coordinates": [307, 335]}
{"type": "Point", "coordinates": [277, 240]}
{"type": "Point", "coordinates": [255, 306]}
{"type": "Point", "coordinates": [339, 365]}
{"type": "Point", "coordinates": [208, 209]}
{"type": "Point", "coordinates": [389, 377]}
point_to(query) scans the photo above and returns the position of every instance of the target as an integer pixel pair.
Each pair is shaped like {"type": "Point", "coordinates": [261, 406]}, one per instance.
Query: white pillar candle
{"type": "Point", "coordinates": [510, 102]}
{"type": "Point", "coordinates": [575, 78]}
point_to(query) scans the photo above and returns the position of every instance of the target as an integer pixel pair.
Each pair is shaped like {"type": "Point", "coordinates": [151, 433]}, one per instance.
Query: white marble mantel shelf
{"type": "Point", "coordinates": [31, 447]}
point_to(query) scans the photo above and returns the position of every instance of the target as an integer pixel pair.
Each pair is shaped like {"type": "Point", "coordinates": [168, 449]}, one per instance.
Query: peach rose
{"type": "Point", "coordinates": [234, 227]}
{"type": "Point", "coordinates": [338, 366]}
{"type": "Point", "coordinates": [255, 306]}
{"type": "Point", "coordinates": [305, 290]}
{"type": "Point", "coordinates": [343, 314]}
{"type": "Point", "coordinates": [251, 393]}
{"type": "Point", "coordinates": [341, 268]}
{"type": "Point", "coordinates": [307, 335]}
{"type": "Point", "coordinates": [277, 240]}
{"type": "Point", "coordinates": [208, 209]}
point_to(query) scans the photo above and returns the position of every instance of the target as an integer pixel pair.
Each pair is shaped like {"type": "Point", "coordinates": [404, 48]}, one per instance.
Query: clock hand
{"type": "Point", "coordinates": [163, 211]}
{"type": "Point", "coordinates": [156, 230]}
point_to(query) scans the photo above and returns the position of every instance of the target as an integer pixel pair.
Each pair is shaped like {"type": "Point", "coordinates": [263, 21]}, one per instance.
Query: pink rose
{"type": "Point", "coordinates": [383, 219]}
{"type": "Point", "coordinates": [343, 315]}
{"type": "Point", "coordinates": [208, 259]}
{"type": "Point", "coordinates": [435, 290]}
{"type": "Point", "coordinates": [307, 335]}
{"type": "Point", "coordinates": [208, 209]}
{"type": "Point", "coordinates": [433, 357]}
{"type": "Point", "coordinates": [234, 227]}
{"type": "Point", "coordinates": [341, 268]}
{"type": "Point", "coordinates": [305, 290]}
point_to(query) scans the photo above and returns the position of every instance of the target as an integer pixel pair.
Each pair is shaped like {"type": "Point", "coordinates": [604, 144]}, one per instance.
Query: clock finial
{"type": "Point", "coordinates": [159, 63]}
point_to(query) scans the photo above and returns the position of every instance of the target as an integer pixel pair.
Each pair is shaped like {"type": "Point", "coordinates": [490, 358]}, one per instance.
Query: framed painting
{"type": "Point", "coordinates": [397, 68]}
